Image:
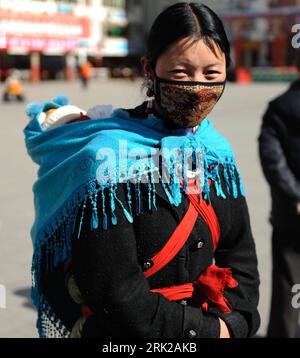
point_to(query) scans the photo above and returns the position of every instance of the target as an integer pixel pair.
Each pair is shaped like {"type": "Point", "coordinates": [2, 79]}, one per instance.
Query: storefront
{"type": "Point", "coordinates": [45, 45]}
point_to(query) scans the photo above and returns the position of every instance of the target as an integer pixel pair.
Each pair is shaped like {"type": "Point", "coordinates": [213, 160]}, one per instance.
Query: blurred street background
{"type": "Point", "coordinates": [90, 51]}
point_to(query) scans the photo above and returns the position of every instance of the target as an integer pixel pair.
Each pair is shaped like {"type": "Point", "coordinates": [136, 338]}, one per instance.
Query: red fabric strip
{"type": "Point", "coordinates": [175, 243]}
{"type": "Point", "coordinates": [209, 216]}
{"type": "Point", "coordinates": [183, 231]}
{"type": "Point", "coordinates": [209, 287]}
{"type": "Point", "coordinates": [176, 293]}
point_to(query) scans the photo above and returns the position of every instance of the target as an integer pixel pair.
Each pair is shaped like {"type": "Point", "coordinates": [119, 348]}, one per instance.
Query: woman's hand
{"type": "Point", "coordinates": [298, 209]}
{"type": "Point", "coordinates": [224, 331]}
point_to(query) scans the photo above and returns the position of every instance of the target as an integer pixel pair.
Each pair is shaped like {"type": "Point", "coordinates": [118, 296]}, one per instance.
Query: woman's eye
{"type": "Point", "coordinates": [179, 71]}
{"type": "Point", "coordinates": [211, 73]}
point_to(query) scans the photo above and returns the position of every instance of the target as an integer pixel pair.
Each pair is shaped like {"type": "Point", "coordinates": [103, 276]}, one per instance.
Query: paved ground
{"type": "Point", "coordinates": [238, 117]}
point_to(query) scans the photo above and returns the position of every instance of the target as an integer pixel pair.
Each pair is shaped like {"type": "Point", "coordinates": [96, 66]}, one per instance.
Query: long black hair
{"type": "Point", "coordinates": [183, 20]}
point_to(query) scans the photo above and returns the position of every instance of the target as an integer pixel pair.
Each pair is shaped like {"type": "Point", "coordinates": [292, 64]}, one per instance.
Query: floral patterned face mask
{"type": "Point", "coordinates": [187, 104]}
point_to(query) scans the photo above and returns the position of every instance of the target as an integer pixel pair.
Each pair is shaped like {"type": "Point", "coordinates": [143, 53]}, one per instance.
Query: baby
{"type": "Point", "coordinates": [66, 114]}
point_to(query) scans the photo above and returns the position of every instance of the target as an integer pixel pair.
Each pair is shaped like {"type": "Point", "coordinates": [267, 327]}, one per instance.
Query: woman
{"type": "Point", "coordinates": [142, 227]}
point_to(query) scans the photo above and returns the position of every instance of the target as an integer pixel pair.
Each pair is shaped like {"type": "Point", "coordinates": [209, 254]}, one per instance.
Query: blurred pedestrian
{"type": "Point", "coordinates": [279, 147]}
{"type": "Point", "coordinates": [125, 245]}
{"type": "Point", "coordinates": [13, 88]}
{"type": "Point", "coordinates": [85, 72]}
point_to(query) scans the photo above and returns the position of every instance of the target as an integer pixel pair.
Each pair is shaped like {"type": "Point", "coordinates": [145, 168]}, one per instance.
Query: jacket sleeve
{"type": "Point", "coordinates": [236, 250]}
{"type": "Point", "coordinates": [109, 276]}
{"type": "Point", "coordinates": [273, 158]}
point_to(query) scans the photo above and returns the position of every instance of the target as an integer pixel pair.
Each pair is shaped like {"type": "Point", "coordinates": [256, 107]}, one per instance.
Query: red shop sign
{"type": "Point", "coordinates": [58, 26]}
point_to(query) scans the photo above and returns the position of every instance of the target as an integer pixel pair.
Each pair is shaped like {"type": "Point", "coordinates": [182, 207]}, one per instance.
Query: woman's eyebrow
{"type": "Point", "coordinates": [179, 62]}
{"type": "Point", "coordinates": [182, 63]}
{"type": "Point", "coordinates": [214, 64]}
{"type": "Point", "coordinates": [188, 64]}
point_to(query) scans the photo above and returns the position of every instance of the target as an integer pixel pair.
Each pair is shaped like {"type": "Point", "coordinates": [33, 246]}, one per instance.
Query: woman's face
{"type": "Point", "coordinates": [190, 60]}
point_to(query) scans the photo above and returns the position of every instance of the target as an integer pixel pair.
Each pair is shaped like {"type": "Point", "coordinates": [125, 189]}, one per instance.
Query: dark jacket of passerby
{"type": "Point", "coordinates": [279, 144]}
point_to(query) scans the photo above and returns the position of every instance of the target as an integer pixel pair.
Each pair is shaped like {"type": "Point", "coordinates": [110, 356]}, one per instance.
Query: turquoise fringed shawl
{"type": "Point", "coordinates": [74, 168]}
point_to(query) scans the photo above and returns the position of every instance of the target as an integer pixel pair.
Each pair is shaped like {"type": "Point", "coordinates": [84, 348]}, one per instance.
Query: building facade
{"type": "Point", "coordinates": [50, 38]}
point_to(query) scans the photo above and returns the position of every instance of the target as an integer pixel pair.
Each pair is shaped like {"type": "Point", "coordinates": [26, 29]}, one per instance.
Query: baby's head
{"type": "Point", "coordinates": [59, 112]}
{"type": "Point", "coordinates": [56, 117]}
{"type": "Point", "coordinates": [55, 113]}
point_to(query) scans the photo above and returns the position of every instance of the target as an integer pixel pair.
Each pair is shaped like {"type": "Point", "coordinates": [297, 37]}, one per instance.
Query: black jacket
{"type": "Point", "coordinates": [279, 148]}
{"type": "Point", "coordinates": [108, 268]}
